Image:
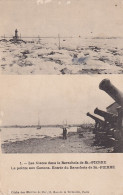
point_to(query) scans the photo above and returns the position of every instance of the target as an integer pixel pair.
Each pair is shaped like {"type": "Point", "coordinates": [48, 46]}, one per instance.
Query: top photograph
{"type": "Point", "coordinates": [61, 37]}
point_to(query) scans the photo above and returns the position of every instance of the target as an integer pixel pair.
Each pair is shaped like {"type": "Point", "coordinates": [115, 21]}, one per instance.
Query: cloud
{"type": "Point", "coordinates": [49, 1]}
{"type": "Point", "coordinates": [59, 2]}
{"type": "Point", "coordinates": [43, 1]}
{"type": "Point", "coordinates": [68, 2]}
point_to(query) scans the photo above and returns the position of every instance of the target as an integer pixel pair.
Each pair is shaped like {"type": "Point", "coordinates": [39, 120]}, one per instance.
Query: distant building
{"type": "Point", "coordinates": [113, 108]}
{"type": "Point", "coordinates": [16, 33]}
{"type": "Point", "coordinates": [16, 37]}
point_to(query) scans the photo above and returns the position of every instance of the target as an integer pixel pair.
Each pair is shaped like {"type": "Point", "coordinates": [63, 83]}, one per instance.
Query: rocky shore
{"type": "Point", "coordinates": [81, 141]}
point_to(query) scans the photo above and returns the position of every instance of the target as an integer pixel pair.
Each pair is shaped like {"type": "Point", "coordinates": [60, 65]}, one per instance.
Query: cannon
{"type": "Point", "coordinates": [95, 118]}
{"type": "Point", "coordinates": [98, 122]}
{"type": "Point", "coordinates": [117, 95]}
{"type": "Point", "coordinates": [99, 130]}
{"type": "Point", "coordinates": [112, 91]}
{"type": "Point", "coordinates": [110, 117]}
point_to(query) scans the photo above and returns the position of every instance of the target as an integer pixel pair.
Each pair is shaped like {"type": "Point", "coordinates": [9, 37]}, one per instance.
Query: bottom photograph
{"type": "Point", "coordinates": [59, 114]}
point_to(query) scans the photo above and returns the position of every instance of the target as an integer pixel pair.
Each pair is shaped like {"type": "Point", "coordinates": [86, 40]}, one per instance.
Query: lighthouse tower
{"type": "Point", "coordinates": [16, 33]}
{"type": "Point", "coordinates": [16, 37]}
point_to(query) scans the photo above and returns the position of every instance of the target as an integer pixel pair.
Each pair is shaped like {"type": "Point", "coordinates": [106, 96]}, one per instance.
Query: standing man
{"type": "Point", "coordinates": [64, 133]}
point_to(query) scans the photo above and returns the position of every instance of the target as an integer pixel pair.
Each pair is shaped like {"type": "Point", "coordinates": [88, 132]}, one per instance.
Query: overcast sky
{"type": "Point", "coordinates": [55, 98]}
{"type": "Point", "coordinates": [66, 17]}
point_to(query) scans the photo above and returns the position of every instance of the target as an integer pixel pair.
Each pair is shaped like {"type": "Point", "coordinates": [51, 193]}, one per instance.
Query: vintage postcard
{"type": "Point", "coordinates": [61, 37]}
{"type": "Point", "coordinates": [61, 97]}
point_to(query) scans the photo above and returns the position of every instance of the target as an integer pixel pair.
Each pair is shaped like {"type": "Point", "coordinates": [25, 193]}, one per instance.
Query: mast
{"type": "Point", "coordinates": [39, 126]}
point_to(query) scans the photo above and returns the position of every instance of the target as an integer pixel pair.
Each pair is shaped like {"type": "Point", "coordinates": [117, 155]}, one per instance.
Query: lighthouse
{"type": "Point", "coordinates": [16, 37]}
{"type": "Point", "coordinates": [16, 33]}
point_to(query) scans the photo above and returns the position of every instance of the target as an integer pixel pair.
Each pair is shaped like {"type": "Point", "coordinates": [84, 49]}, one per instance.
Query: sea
{"type": "Point", "coordinates": [20, 134]}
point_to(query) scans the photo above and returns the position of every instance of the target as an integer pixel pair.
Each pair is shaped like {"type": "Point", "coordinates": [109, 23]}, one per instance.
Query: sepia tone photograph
{"type": "Point", "coordinates": [57, 37]}
{"type": "Point", "coordinates": [61, 97]}
{"type": "Point", "coordinates": [61, 114]}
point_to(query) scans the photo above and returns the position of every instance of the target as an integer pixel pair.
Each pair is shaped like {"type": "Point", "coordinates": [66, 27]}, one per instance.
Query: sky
{"type": "Point", "coordinates": [55, 98]}
{"type": "Point", "coordinates": [64, 17]}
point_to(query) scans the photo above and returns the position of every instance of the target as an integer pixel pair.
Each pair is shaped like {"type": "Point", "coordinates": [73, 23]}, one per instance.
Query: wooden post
{"type": "Point", "coordinates": [38, 39]}
{"type": "Point", "coordinates": [59, 41]}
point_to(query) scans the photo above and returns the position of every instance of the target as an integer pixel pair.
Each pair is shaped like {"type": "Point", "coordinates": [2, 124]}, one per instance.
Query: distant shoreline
{"type": "Point", "coordinates": [62, 37]}
{"type": "Point", "coordinates": [42, 126]}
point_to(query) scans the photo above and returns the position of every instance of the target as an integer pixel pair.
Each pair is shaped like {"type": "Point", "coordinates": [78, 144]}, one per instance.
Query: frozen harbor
{"type": "Point", "coordinates": [67, 56]}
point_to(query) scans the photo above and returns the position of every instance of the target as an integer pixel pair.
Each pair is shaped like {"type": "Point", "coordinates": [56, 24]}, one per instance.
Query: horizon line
{"type": "Point", "coordinates": [49, 125]}
{"type": "Point", "coordinates": [72, 36]}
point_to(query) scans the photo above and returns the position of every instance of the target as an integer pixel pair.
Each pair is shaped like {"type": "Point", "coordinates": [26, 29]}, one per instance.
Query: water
{"type": "Point", "coordinates": [20, 134]}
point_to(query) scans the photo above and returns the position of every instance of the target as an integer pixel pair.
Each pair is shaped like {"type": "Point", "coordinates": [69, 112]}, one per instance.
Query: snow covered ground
{"type": "Point", "coordinates": [75, 56]}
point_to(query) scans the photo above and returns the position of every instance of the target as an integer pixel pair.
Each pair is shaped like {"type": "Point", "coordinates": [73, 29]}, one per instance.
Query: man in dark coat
{"type": "Point", "coordinates": [64, 133]}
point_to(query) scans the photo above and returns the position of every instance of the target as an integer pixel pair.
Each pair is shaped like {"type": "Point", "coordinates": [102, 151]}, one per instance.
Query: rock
{"type": "Point", "coordinates": [65, 71]}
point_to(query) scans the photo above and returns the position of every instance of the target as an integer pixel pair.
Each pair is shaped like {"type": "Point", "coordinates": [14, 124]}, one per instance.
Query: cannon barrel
{"type": "Point", "coordinates": [95, 118]}
{"type": "Point", "coordinates": [112, 91]}
{"type": "Point", "coordinates": [107, 116]}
